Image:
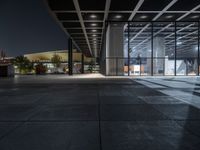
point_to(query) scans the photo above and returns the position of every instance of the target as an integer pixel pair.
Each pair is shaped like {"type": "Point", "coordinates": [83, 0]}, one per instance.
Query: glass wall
{"type": "Point", "coordinates": [187, 48]}
{"type": "Point", "coordinates": [159, 49]}
{"type": "Point", "coordinates": [163, 48]}
{"type": "Point", "coordinates": [140, 46]}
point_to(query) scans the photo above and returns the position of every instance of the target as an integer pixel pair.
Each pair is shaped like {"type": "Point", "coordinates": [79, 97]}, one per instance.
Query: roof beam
{"type": "Point", "coordinates": [156, 17]}
{"type": "Point", "coordinates": [78, 21]}
{"type": "Point", "coordinates": [68, 28]}
{"type": "Point", "coordinates": [137, 7]}
{"type": "Point", "coordinates": [189, 12]}
{"type": "Point", "coordinates": [133, 13]}
{"type": "Point", "coordinates": [122, 11]}
{"type": "Point", "coordinates": [165, 9]}
{"type": "Point", "coordinates": [76, 4]}
{"type": "Point", "coordinates": [178, 19]}
{"type": "Point", "coordinates": [107, 7]}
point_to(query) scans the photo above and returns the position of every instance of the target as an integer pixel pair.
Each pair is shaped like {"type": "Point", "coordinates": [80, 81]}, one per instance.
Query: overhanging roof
{"type": "Point", "coordinates": [84, 20]}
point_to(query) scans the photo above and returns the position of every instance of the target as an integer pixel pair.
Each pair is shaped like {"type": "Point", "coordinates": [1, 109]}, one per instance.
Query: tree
{"type": "Point", "coordinates": [23, 64]}
{"type": "Point", "coordinates": [56, 60]}
{"type": "Point", "coordinates": [40, 69]}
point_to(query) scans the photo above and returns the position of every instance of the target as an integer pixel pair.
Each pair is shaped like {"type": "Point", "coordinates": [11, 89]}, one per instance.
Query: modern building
{"type": "Point", "coordinates": [134, 37]}
{"type": "Point", "coordinates": [80, 63]}
{"type": "Point", "coordinates": [115, 109]}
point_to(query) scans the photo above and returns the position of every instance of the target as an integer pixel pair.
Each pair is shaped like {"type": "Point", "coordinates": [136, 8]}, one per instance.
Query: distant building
{"type": "Point", "coordinates": [45, 58]}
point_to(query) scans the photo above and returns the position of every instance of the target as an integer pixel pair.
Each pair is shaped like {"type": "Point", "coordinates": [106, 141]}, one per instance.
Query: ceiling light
{"type": "Point", "coordinates": [94, 35]}
{"type": "Point", "coordinates": [93, 16]}
{"type": "Point", "coordinates": [195, 17]}
{"type": "Point", "coordinates": [93, 24]}
{"type": "Point", "coordinates": [179, 43]}
{"type": "Point", "coordinates": [94, 30]}
{"type": "Point", "coordinates": [118, 16]}
{"type": "Point", "coordinates": [169, 16]}
{"type": "Point", "coordinates": [143, 17]}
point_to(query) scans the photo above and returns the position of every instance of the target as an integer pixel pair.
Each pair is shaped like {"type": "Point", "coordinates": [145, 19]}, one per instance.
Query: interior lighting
{"type": "Point", "coordinates": [169, 16]}
{"type": "Point", "coordinates": [179, 43]}
{"type": "Point", "coordinates": [118, 16]}
{"type": "Point", "coordinates": [195, 17]}
{"type": "Point", "coordinates": [93, 16]}
{"type": "Point", "coordinates": [143, 17]}
{"type": "Point", "coordinates": [93, 24]}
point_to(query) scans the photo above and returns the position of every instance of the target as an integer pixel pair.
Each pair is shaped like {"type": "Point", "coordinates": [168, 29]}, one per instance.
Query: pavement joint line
{"type": "Point", "coordinates": [99, 117]}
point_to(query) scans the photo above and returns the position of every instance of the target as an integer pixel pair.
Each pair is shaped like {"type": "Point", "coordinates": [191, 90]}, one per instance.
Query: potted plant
{"type": "Point", "coordinates": [91, 66]}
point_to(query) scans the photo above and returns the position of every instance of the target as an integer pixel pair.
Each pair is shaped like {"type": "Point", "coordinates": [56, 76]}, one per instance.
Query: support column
{"type": "Point", "coordinates": [175, 49]}
{"type": "Point", "coordinates": [198, 48]}
{"type": "Point", "coordinates": [82, 63]}
{"type": "Point", "coordinates": [70, 57]}
{"type": "Point", "coordinates": [115, 49]}
{"type": "Point", "coordinates": [128, 49]}
{"type": "Point", "coordinates": [158, 54]}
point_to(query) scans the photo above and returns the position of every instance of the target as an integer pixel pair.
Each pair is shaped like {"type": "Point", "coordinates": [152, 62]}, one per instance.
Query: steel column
{"type": "Point", "coordinates": [82, 63]}
{"type": "Point", "coordinates": [128, 49]}
{"type": "Point", "coordinates": [198, 47]}
{"type": "Point", "coordinates": [151, 48]}
{"type": "Point", "coordinates": [175, 28]}
{"type": "Point", "coordinates": [70, 57]}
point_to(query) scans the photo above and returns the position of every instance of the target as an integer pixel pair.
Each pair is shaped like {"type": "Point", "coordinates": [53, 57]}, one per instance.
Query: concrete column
{"type": "Point", "coordinates": [114, 49]}
{"type": "Point", "coordinates": [159, 54]}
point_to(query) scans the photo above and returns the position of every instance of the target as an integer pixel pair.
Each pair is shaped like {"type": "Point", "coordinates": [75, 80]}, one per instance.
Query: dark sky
{"type": "Point", "coordinates": [26, 27]}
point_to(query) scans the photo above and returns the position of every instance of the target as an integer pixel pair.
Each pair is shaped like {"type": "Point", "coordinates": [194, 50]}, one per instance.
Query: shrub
{"type": "Point", "coordinates": [40, 69]}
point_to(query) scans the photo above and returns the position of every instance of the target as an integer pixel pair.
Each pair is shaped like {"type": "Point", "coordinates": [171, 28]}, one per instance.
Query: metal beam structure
{"type": "Point", "coordinates": [76, 4]}
{"type": "Point", "coordinates": [85, 21]}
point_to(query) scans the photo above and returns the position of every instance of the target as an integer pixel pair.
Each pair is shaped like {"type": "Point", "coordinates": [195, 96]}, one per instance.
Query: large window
{"type": "Point", "coordinates": [187, 48]}
{"type": "Point", "coordinates": [163, 48]}
{"type": "Point", "coordinates": [140, 48]}
{"type": "Point", "coordinates": [159, 49]}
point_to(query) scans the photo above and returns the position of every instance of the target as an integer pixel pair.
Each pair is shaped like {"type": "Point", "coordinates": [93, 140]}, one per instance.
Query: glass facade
{"type": "Point", "coordinates": [158, 49]}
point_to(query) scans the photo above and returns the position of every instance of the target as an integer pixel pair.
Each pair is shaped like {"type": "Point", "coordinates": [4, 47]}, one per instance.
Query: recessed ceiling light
{"type": "Point", "coordinates": [94, 35]}
{"type": "Point", "coordinates": [195, 17]}
{"type": "Point", "coordinates": [169, 16]}
{"type": "Point", "coordinates": [93, 24]}
{"type": "Point", "coordinates": [179, 43]}
{"type": "Point", "coordinates": [143, 17]}
{"type": "Point", "coordinates": [118, 16]}
{"type": "Point", "coordinates": [94, 30]}
{"type": "Point", "coordinates": [93, 16]}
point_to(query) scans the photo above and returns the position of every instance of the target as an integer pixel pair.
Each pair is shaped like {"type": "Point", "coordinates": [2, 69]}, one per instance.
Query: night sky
{"type": "Point", "coordinates": [27, 27]}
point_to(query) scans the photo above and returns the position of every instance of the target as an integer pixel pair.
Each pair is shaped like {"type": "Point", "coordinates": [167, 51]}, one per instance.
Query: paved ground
{"type": "Point", "coordinates": [61, 113]}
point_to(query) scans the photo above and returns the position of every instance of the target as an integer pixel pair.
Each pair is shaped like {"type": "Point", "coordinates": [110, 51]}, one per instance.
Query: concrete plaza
{"type": "Point", "coordinates": [92, 112]}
